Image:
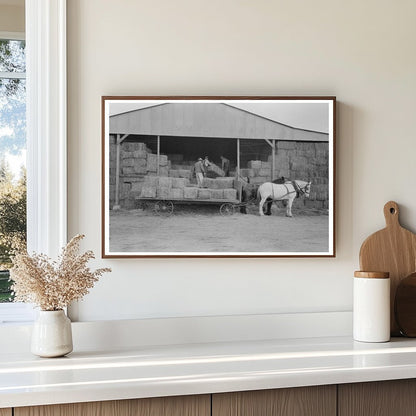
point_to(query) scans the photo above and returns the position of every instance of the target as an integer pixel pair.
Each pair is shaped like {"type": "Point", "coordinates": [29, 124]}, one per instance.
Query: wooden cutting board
{"type": "Point", "coordinates": [392, 250]}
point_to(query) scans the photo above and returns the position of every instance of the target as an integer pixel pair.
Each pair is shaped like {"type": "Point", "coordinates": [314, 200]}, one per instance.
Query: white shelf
{"type": "Point", "coordinates": [168, 370]}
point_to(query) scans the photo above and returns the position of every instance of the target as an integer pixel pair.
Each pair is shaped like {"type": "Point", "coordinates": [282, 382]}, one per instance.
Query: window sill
{"type": "Point", "coordinates": [16, 313]}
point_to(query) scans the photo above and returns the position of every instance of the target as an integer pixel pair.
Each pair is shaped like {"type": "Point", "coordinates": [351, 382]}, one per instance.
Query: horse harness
{"type": "Point", "coordinates": [299, 191]}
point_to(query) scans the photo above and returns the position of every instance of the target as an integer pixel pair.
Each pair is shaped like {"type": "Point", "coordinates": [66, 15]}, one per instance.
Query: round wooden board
{"type": "Point", "coordinates": [392, 250]}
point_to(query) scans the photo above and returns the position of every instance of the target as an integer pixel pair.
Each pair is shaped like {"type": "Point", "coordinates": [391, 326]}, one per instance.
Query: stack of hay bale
{"type": "Point", "coordinates": [141, 176]}
{"type": "Point", "coordinates": [296, 160]}
{"type": "Point", "coordinates": [258, 171]}
{"type": "Point", "coordinates": [162, 187]}
{"type": "Point", "coordinates": [138, 159]}
{"type": "Point", "coordinates": [179, 168]}
{"type": "Point", "coordinates": [136, 162]}
{"type": "Point", "coordinates": [180, 188]}
{"type": "Point", "coordinates": [305, 161]}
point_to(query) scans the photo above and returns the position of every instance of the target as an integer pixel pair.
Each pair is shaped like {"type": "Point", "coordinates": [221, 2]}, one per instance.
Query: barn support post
{"type": "Point", "coordinates": [238, 159]}
{"type": "Point", "coordinates": [239, 191]}
{"type": "Point", "coordinates": [272, 144]}
{"type": "Point", "coordinates": [119, 140]}
{"type": "Point", "coordinates": [158, 155]}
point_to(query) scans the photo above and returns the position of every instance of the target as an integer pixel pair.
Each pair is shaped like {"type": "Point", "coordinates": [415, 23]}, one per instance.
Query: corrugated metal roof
{"type": "Point", "coordinates": [206, 120]}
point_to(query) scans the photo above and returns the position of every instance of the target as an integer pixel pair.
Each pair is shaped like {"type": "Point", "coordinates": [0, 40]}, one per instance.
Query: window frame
{"type": "Point", "coordinates": [46, 121]}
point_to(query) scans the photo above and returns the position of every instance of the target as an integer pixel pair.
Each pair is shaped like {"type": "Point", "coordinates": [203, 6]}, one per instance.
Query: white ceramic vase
{"type": "Point", "coordinates": [52, 334]}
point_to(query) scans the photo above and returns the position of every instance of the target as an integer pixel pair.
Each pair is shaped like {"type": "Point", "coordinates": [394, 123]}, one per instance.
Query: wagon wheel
{"type": "Point", "coordinates": [227, 209]}
{"type": "Point", "coordinates": [163, 208]}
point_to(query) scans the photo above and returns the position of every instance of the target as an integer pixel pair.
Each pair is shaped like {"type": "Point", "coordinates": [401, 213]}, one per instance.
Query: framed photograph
{"type": "Point", "coordinates": [218, 177]}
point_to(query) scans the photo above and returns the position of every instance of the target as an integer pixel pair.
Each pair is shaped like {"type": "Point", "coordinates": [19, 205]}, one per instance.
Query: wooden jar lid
{"type": "Point", "coordinates": [372, 275]}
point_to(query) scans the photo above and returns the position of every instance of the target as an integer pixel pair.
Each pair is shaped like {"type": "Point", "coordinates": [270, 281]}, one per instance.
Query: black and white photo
{"type": "Point", "coordinates": [218, 176]}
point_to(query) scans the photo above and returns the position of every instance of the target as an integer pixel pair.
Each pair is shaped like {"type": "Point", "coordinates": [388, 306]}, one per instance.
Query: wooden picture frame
{"type": "Point", "coordinates": [160, 200]}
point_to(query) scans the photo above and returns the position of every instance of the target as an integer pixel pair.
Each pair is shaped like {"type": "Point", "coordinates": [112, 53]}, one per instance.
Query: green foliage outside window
{"type": "Point", "coordinates": [12, 224]}
{"type": "Point", "coordinates": [12, 145]}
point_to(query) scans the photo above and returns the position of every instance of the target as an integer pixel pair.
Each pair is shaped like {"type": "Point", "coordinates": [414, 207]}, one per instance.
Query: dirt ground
{"type": "Point", "coordinates": [203, 229]}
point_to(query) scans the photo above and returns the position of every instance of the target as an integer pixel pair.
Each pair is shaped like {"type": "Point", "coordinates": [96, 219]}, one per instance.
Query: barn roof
{"type": "Point", "coordinates": [206, 120]}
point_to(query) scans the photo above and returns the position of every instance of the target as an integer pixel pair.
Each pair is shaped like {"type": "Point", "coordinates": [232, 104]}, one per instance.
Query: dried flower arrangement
{"type": "Point", "coordinates": [52, 285]}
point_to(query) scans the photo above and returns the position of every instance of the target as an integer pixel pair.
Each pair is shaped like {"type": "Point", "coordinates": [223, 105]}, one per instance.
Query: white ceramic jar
{"type": "Point", "coordinates": [52, 334]}
{"type": "Point", "coordinates": [371, 308]}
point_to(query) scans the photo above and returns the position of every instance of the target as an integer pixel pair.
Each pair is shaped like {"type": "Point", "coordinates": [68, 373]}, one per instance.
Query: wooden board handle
{"type": "Point", "coordinates": [391, 214]}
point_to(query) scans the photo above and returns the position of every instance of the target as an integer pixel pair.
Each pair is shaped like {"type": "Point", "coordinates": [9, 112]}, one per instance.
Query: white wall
{"type": "Point", "coordinates": [361, 51]}
{"type": "Point", "coordinates": [12, 17]}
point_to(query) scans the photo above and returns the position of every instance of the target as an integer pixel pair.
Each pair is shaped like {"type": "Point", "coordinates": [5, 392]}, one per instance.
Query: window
{"type": "Point", "coordinates": [12, 155]}
{"type": "Point", "coordinates": [46, 135]}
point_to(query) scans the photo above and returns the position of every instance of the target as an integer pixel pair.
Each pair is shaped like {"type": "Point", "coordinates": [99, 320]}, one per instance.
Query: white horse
{"type": "Point", "coordinates": [285, 191]}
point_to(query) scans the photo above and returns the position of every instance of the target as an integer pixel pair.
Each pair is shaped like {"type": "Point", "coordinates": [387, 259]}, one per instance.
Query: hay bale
{"type": "Point", "coordinates": [310, 154]}
{"type": "Point", "coordinates": [140, 171]}
{"type": "Point", "coordinates": [254, 164]}
{"type": "Point", "coordinates": [151, 162]}
{"type": "Point", "coordinates": [222, 183]}
{"type": "Point", "coordinates": [299, 160]}
{"type": "Point", "coordinates": [131, 147]}
{"type": "Point", "coordinates": [126, 155]}
{"type": "Point", "coordinates": [321, 146]}
{"type": "Point", "coordinates": [128, 170]}
{"type": "Point", "coordinates": [163, 160]}
{"type": "Point", "coordinates": [190, 193]}
{"type": "Point", "coordinates": [165, 182]}
{"type": "Point", "coordinates": [148, 192]}
{"type": "Point", "coordinates": [217, 193]}
{"type": "Point", "coordinates": [140, 154]}
{"type": "Point", "coordinates": [150, 180]}
{"type": "Point", "coordinates": [163, 171]}
{"type": "Point", "coordinates": [216, 169]}
{"type": "Point", "coordinates": [305, 146]}
{"type": "Point", "coordinates": [141, 147]}
{"type": "Point", "coordinates": [128, 161]}
{"type": "Point", "coordinates": [265, 172]}
{"type": "Point", "coordinates": [247, 173]}
{"type": "Point", "coordinates": [283, 172]}
{"type": "Point", "coordinates": [174, 173]}
{"type": "Point", "coordinates": [139, 163]}
{"type": "Point", "coordinates": [176, 193]}
{"type": "Point", "coordinates": [208, 182]}
{"type": "Point", "coordinates": [312, 195]}
{"type": "Point", "coordinates": [283, 164]}
{"type": "Point", "coordinates": [258, 180]}
{"type": "Point", "coordinates": [321, 155]}
{"type": "Point", "coordinates": [137, 187]}
{"type": "Point", "coordinates": [266, 165]}
{"type": "Point", "coordinates": [163, 191]}
{"type": "Point", "coordinates": [230, 194]}
{"type": "Point", "coordinates": [204, 193]}
{"type": "Point", "coordinates": [287, 145]}
{"type": "Point", "coordinates": [179, 183]}
{"type": "Point", "coordinates": [313, 204]}
{"type": "Point", "coordinates": [184, 173]}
